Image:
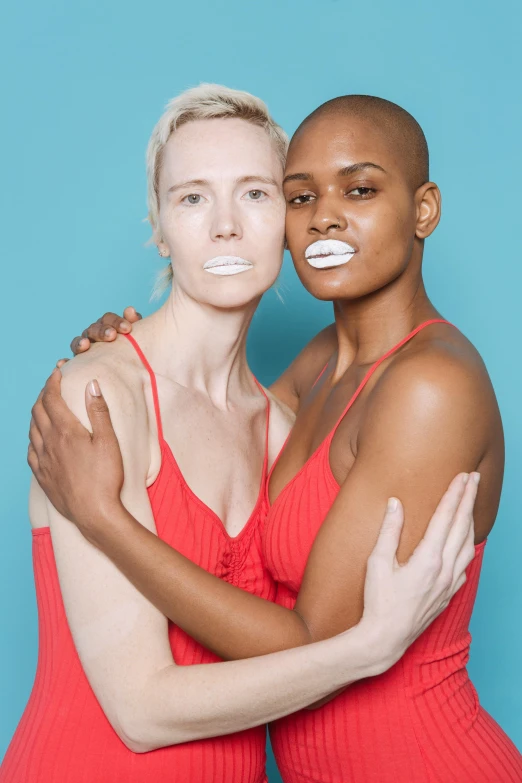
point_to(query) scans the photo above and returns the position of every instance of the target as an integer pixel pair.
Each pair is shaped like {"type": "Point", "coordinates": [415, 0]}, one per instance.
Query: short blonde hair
{"type": "Point", "coordinates": [206, 102]}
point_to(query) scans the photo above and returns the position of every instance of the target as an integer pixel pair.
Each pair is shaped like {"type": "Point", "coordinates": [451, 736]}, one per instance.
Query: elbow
{"type": "Point", "coordinates": [139, 732]}
{"type": "Point", "coordinates": [132, 733]}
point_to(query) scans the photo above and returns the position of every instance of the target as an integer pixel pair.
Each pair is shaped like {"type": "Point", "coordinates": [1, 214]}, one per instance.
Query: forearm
{"type": "Point", "coordinates": [227, 620]}
{"type": "Point", "coordinates": [181, 704]}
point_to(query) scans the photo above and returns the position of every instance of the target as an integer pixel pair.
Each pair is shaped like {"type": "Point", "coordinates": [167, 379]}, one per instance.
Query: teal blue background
{"type": "Point", "coordinates": [84, 83]}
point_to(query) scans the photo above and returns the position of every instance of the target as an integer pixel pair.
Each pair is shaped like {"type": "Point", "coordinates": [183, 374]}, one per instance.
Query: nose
{"type": "Point", "coordinates": [226, 224]}
{"type": "Point", "coordinates": [327, 216]}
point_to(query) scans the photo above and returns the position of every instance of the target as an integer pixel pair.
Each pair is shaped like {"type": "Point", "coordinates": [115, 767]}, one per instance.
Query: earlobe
{"type": "Point", "coordinates": [428, 209]}
{"type": "Point", "coordinates": [163, 250]}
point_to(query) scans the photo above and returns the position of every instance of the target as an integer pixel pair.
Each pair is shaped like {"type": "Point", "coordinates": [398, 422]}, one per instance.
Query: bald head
{"type": "Point", "coordinates": [400, 130]}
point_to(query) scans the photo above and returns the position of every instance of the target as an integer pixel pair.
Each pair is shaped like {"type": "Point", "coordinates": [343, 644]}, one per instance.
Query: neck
{"type": "Point", "coordinates": [368, 327]}
{"type": "Point", "coordinates": [201, 346]}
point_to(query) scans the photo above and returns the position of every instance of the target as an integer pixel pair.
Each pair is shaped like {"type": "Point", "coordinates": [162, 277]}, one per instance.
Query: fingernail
{"type": "Point", "coordinates": [393, 504]}
{"type": "Point", "coordinates": [108, 332]}
{"type": "Point", "coordinates": [94, 389]}
{"type": "Point", "coordinates": [124, 325]}
{"type": "Point", "coordinates": [465, 477]}
{"type": "Point", "coordinates": [476, 477]}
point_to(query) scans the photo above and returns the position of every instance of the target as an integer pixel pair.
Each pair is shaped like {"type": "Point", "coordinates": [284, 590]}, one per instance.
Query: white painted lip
{"type": "Point", "coordinates": [227, 265]}
{"type": "Point", "coordinates": [328, 253]}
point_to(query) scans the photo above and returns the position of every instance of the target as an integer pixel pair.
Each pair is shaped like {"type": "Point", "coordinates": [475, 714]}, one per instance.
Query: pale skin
{"type": "Point", "coordinates": [143, 693]}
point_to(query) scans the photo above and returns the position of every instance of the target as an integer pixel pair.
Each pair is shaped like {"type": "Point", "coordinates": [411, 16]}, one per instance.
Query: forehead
{"type": "Point", "coordinates": [227, 147]}
{"type": "Point", "coordinates": [332, 142]}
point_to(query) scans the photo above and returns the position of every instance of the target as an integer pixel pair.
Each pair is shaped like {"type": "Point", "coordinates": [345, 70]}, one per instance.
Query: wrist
{"type": "Point", "coordinates": [100, 527]}
{"type": "Point", "coordinates": [376, 651]}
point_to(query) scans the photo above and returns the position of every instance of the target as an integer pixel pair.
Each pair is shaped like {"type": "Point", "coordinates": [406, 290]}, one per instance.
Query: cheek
{"type": "Point", "coordinates": [296, 230]}
{"type": "Point", "coordinates": [183, 228]}
{"type": "Point", "coordinates": [268, 226]}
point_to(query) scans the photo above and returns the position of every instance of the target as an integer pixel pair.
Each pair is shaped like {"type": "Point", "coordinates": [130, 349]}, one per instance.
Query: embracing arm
{"type": "Point", "coordinates": [236, 624]}
{"type": "Point", "coordinates": [122, 639]}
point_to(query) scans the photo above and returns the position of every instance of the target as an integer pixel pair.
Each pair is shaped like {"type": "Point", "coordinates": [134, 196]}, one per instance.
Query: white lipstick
{"type": "Point", "coordinates": [328, 253]}
{"type": "Point", "coordinates": [227, 265]}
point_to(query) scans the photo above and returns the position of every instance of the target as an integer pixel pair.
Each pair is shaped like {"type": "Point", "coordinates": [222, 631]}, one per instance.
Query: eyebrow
{"type": "Point", "coordinates": [240, 181]}
{"type": "Point", "coordinates": [344, 172]}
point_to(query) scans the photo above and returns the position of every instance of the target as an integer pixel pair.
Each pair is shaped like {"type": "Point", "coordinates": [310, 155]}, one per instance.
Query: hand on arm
{"type": "Point", "coordinates": [105, 329]}
{"type": "Point", "coordinates": [122, 639]}
{"type": "Point", "coordinates": [217, 614]}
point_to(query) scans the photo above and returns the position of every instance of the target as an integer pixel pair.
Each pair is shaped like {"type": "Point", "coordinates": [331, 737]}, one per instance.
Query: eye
{"type": "Point", "coordinates": [192, 199]}
{"type": "Point", "coordinates": [256, 195]}
{"type": "Point", "coordinates": [362, 192]}
{"type": "Point", "coordinates": [304, 198]}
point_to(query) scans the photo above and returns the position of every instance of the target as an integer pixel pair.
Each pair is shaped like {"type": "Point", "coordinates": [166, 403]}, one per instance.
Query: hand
{"type": "Point", "coordinates": [81, 473]}
{"type": "Point", "coordinates": [400, 601]}
{"type": "Point", "coordinates": [104, 330]}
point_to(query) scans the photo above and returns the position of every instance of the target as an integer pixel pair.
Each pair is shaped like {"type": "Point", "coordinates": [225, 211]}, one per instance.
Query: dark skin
{"type": "Point", "coordinates": [428, 413]}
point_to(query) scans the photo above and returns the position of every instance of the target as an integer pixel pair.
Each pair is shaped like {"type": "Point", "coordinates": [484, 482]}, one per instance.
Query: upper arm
{"type": "Point", "coordinates": [297, 379]}
{"type": "Point", "coordinates": [120, 637]}
{"type": "Point", "coordinates": [419, 430]}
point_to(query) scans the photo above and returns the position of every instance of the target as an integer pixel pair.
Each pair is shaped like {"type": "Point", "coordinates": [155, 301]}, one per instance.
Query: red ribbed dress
{"type": "Point", "coordinates": [419, 722]}
{"type": "Point", "coordinates": [63, 736]}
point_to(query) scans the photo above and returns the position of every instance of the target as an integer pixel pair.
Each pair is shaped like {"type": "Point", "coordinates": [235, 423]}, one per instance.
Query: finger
{"type": "Point", "coordinates": [458, 584]}
{"type": "Point", "coordinates": [60, 416]}
{"type": "Point", "coordinates": [443, 518]}
{"type": "Point", "coordinates": [39, 414]}
{"type": "Point", "coordinates": [98, 411]}
{"type": "Point", "coordinates": [32, 459]}
{"type": "Point", "coordinates": [61, 362]}
{"type": "Point", "coordinates": [99, 332]}
{"type": "Point", "coordinates": [52, 400]}
{"type": "Point", "coordinates": [131, 315]}
{"type": "Point", "coordinates": [466, 554]}
{"type": "Point", "coordinates": [390, 532]}
{"type": "Point", "coordinates": [462, 532]}
{"type": "Point", "coordinates": [108, 327]}
{"type": "Point", "coordinates": [80, 344]}
{"type": "Point", "coordinates": [35, 437]}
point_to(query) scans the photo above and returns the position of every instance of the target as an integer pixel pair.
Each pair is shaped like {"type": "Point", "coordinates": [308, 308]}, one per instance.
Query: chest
{"type": "Point", "coordinates": [220, 455]}
{"type": "Point", "coordinates": [329, 419]}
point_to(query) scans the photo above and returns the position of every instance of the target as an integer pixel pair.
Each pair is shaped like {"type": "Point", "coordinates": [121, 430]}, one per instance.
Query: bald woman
{"type": "Point", "coordinates": [390, 399]}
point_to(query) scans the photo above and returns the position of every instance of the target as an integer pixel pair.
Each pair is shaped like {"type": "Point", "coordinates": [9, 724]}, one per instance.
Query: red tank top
{"type": "Point", "coordinates": [63, 735]}
{"type": "Point", "coordinates": [419, 722]}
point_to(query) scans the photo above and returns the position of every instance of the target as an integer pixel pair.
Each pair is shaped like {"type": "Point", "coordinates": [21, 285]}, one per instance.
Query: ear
{"type": "Point", "coordinates": [428, 202]}
{"type": "Point", "coordinates": [163, 248]}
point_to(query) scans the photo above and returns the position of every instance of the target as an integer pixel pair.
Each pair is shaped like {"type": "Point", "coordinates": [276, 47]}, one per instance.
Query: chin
{"type": "Point", "coordinates": [235, 297]}
{"type": "Point", "coordinates": [329, 284]}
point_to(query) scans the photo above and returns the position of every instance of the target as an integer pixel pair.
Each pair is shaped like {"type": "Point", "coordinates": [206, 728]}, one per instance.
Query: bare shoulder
{"type": "Point", "coordinates": [113, 363]}
{"type": "Point", "coordinates": [438, 377]}
{"type": "Point", "coordinates": [118, 372]}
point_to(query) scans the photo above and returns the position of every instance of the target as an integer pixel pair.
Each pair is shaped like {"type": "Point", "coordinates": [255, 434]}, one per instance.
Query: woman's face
{"type": "Point", "coordinates": [351, 211]}
{"type": "Point", "coordinates": [222, 211]}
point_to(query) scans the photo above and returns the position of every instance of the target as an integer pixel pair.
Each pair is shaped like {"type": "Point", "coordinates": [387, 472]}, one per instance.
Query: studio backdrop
{"type": "Point", "coordinates": [83, 85]}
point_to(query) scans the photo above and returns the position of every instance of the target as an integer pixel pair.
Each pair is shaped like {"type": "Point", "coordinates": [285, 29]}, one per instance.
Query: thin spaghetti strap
{"type": "Point", "coordinates": [378, 363]}
{"type": "Point", "coordinates": [320, 375]}
{"type": "Point", "coordinates": [267, 424]}
{"type": "Point", "coordinates": [153, 383]}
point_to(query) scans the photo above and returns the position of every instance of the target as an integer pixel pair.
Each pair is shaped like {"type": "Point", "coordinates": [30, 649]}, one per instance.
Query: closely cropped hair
{"type": "Point", "coordinates": [206, 102]}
